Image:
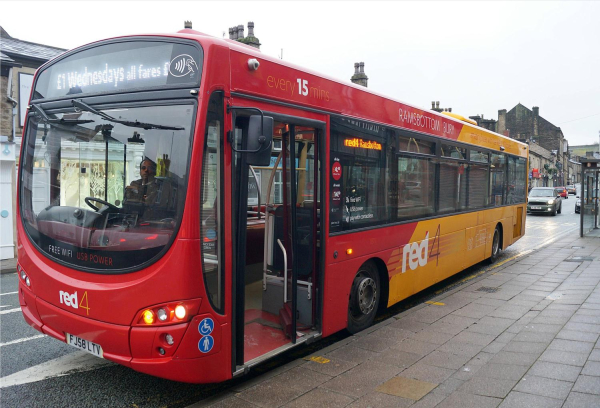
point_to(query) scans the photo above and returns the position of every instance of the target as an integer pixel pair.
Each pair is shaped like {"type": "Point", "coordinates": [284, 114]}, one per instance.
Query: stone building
{"type": "Point", "coordinates": [19, 61]}
{"type": "Point", "coordinates": [549, 150]}
{"type": "Point", "coordinates": [525, 124]}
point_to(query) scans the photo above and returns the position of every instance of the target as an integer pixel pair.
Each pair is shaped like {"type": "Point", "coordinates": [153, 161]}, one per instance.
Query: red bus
{"type": "Point", "coordinates": [190, 207]}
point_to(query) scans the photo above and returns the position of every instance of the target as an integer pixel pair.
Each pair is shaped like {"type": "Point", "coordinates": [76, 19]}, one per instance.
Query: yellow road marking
{"type": "Point", "coordinates": [316, 359]}
{"type": "Point", "coordinates": [435, 303]}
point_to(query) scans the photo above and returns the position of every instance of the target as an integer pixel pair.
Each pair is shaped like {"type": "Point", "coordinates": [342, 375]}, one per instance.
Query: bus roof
{"type": "Point", "coordinates": [322, 89]}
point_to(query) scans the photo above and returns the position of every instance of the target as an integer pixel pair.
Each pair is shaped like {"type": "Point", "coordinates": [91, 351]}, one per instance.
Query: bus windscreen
{"type": "Point", "coordinates": [102, 193]}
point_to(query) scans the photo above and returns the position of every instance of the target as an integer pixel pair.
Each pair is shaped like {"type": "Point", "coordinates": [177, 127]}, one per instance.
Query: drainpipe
{"type": "Point", "coordinates": [14, 103]}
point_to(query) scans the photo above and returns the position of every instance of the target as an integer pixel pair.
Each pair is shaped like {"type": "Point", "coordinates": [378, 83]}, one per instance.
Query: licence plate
{"type": "Point", "coordinates": [84, 345]}
{"type": "Point", "coordinates": [536, 207]}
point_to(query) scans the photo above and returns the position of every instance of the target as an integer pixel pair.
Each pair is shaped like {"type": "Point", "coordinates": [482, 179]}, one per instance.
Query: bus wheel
{"type": "Point", "coordinates": [364, 298]}
{"type": "Point", "coordinates": [495, 246]}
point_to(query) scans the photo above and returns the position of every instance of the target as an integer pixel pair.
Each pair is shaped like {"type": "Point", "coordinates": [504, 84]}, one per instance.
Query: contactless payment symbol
{"type": "Point", "coordinates": [206, 344]}
{"type": "Point", "coordinates": [206, 326]}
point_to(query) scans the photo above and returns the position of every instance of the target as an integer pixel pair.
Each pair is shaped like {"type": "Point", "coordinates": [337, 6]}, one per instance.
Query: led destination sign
{"type": "Point", "coordinates": [363, 144]}
{"type": "Point", "coordinates": [121, 66]}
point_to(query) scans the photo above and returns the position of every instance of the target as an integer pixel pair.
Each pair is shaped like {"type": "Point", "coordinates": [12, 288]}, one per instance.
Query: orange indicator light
{"type": "Point", "coordinates": [349, 251]}
{"type": "Point", "coordinates": [148, 316]}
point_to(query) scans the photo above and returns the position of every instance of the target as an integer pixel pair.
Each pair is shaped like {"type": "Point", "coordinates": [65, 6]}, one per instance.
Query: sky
{"type": "Point", "coordinates": [473, 57]}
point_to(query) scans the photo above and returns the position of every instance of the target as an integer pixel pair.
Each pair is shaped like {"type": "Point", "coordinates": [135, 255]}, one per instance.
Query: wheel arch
{"type": "Point", "coordinates": [501, 231]}
{"type": "Point", "coordinates": [384, 281]}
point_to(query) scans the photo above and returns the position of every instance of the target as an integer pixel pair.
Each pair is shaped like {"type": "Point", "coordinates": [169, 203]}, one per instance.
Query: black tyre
{"type": "Point", "coordinates": [560, 209]}
{"type": "Point", "coordinates": [554, 211]}
{"type": "Point", "coordinates": [364, 298]}
{"type": "Point", "coordinates": [495, 246]}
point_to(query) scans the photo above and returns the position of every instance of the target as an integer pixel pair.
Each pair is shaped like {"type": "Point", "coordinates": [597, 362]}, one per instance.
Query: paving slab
{"type": "Point", "coordinates": [564, 357]}
{"type": "Point", "coordinates": [488, 387]}
{"type": "Point", "coordinates": [587, 384]}
{"type": "Point", "coordinates": [406, 388]}
{"type": "Point", "coordinates": [460, 348]}
{"type": "Point", "coordinates": [428, 373]}
{"type": "Point", "coordinates": [570, 345]}
{"type": "Point", "coordinates": [579, 400]}
{"type": "Point", "coordinates": [380, 400]}
{"type": "Point", "coordinates": [398, 358]}
{"type": "Point", "coordinates": [503, 371]}
{"type": "Point", "coordinates": [521, 400]}
{"type": "Point", "coordinates": [361, 379]}
{"type": "Point", "coordinates": [464, 400]}
{"type": "Point", "coordinates": [548, 387]}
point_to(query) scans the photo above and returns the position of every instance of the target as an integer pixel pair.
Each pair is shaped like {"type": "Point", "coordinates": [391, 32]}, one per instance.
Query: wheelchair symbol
{"type": "Point", "coordinates": [206, 326]}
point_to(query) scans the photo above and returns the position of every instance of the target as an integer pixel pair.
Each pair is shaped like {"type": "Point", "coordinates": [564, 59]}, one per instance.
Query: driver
{"type": "Point", "coordinates": [144, 189]}
{"type": "Point", "coordinates": [145, 194]}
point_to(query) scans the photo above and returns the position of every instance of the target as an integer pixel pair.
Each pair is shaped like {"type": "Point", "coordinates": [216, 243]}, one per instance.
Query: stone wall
{"type": "Point", "coordinates": [524, 124]}
{"type": "Point", "coordinates": [5, 109]}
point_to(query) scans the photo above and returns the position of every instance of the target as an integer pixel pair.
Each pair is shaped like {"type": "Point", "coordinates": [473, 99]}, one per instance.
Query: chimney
{"type": "Point", "coordinates": [240, 32]}
{"type": "Point", "coordinates": [231, 37]}
{"type": "Point", "coordinates": [359, 77]}
{"type": "Point", "coordinates": [187, 24]}
{"type": "Point", "coordinates": [432, 105]}
{"type": "Point", "coordinates": [536, 116]}
{"type": "Point", "coordinates": [251, 40]}
{"type": "Point", "coordinates": [437, 105]}
{"type": "Point", "coordinates": [501, 125]}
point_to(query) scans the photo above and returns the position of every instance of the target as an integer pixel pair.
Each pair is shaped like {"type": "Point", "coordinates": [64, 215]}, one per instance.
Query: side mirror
{"type": "Point", "coordinates": [260, 140]}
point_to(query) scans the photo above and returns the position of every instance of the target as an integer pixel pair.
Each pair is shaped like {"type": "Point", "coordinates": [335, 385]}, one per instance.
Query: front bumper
{"type": "Point", "coordinates": [540, 209]}
{"type": "Point", "coordinates": [138, 347]}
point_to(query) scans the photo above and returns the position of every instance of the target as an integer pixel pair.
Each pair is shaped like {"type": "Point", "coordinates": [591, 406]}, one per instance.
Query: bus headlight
{"type": "Point", "coordinates": [180, 312]}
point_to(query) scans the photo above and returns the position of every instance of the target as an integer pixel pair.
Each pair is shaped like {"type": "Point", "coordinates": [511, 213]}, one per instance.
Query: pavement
{"type": "Point", "coordinates": [8, 265]}
{"type": "Point", "coordinates": [522, 334]}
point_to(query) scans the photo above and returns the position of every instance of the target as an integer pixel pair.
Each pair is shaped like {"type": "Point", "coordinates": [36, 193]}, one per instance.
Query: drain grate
{"type": "Point", "coordinates": [487, 289]}
{"type": "Point", "coordinates": [579, 259]}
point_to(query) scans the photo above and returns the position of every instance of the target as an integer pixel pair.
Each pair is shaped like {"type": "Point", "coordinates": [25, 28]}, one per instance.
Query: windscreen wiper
{"type": "Point", "coordinates": [78, 103]}
{"type": "Point", "coordinates": [62, 121]}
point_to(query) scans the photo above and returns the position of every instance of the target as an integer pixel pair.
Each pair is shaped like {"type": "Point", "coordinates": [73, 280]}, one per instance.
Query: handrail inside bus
{"type": "Point", "coordinates": [284, 271]}
{"type": "Point", "coordinates": [267, 221]}
{"type": "Point", "coordinates": [257, 189]}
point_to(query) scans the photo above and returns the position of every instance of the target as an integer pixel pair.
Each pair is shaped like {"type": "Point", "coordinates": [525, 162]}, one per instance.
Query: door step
{"type": "Point", "coordinates": [285, 319]}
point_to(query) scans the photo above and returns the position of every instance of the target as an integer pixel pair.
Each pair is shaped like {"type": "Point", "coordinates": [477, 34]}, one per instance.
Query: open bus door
{"type": "Point", "coordinates": [276, 242]}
